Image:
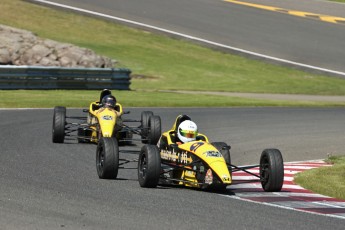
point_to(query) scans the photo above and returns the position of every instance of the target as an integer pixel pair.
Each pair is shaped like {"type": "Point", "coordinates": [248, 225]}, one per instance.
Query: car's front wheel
{"type": "Point", "coordinates": [271, 170]}
{"type": "Point", "coordinates": [59, 121]}
{"type": "Point", "coordinates": [149, 166]}
{"type": "Point", "coordinates": [107, 158]}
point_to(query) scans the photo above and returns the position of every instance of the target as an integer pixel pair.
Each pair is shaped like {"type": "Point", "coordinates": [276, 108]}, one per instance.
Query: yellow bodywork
{"type": "Point", "coordinates": [203, 150]}
{"type": "Point", "coordinates": [211, 156]}
{"type": "Point", "coordinates": [194, 164]}
{"type": "Point", "coordinates": [103, 120]}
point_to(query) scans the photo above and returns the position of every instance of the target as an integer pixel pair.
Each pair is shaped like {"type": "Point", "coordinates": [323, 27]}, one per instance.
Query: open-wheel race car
{"type": "Point", "coordinates": [104, 125]}
{"type": "Point", "coordinates": [201, 164]}
{"type": "Point", "coordinates": [103, 128]}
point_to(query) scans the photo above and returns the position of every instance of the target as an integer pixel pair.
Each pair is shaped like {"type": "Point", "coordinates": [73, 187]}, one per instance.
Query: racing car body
{"type": "Point", "coordinates": [195, 164]}
{"type": "Point", "coordinates": [201, 164]}
{"type": "Point", "coordinates": [105, 128]}
{"type": "Point", "coordinates": [102, 122]}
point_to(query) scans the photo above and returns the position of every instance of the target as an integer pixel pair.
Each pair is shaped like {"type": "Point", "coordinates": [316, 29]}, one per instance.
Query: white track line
{"type": "Point", "coordinates": [192, 37]}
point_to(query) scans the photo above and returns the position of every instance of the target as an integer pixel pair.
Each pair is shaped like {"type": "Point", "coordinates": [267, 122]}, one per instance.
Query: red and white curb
{"type": "Point", "coordinates": [292, 196]}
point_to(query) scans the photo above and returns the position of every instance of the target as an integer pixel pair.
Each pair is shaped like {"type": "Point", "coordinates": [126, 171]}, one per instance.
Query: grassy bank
{"type": "Point", "coordinates": [163, 63]}
{"type": "Point", "coordinates": [329, 181]}
{"type": "Point", "coordinates": [82, 98]}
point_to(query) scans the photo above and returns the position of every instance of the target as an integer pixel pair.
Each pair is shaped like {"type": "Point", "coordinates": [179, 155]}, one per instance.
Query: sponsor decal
{"type": "Point", "coordinates": [107, 117]}
{"type": "Point", "coordinates": [213, 154]}
{"type": "Point", "coordinates": [209, 177]}
{"type": "Point", "coordinates": [173, 156]}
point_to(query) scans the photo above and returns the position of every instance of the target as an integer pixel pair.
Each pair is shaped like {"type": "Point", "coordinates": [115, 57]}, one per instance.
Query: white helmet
{"type": "Point", "coordinates": [187, 131]}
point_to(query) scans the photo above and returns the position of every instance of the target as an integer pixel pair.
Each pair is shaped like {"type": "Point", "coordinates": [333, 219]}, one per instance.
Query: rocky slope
{"type": "Point", "coordinates": [21, 47]}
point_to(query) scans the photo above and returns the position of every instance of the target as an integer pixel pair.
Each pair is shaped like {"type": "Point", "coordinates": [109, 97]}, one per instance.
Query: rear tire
{"type": "Point", "coordinates": [149, 166]}
{"type": "Point", "coordinates": [224, 149]}
{"type": "Point", "coordinates": [107, 158]}
{"type": "Point", "coordinates": [271, 170]}
{"type": "Point", "coordinates": [145, 116]}
{"type": "Point", "coordinates": [59, 121]}
{"type": "Point", "coordinates": [155, 130]}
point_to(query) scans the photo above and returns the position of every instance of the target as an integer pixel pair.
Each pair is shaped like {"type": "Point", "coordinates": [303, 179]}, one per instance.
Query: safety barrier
{"type": "Point", "coordinates": [38, 77]}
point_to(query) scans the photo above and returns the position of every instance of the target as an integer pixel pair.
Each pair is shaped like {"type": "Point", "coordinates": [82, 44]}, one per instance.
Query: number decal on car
{"type": "Point", "coordinates": [195, 146]}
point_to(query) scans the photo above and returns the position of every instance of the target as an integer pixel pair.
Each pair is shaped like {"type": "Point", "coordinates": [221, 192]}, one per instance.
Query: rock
{"type": "Point", "coordinates": [21, 47]}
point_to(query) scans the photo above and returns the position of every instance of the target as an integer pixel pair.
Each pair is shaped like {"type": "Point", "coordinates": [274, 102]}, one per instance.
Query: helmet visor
{"type": "Point", "coordinates": [110, 103]}
{"type": "Point", "coordinates": [188, 133]}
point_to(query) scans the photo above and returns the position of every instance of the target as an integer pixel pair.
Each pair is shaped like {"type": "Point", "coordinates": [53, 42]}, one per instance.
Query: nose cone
{"type": "Point", "coordinates": [107, 119]}
{"type": "Point", "coordinates": [221, 170]}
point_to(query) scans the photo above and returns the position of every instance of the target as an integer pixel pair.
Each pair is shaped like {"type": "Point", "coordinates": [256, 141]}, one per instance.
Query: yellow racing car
{"type": "Point", "coordinates": [201, 164]}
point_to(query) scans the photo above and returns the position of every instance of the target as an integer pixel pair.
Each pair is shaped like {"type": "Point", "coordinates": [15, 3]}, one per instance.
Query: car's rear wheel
{"type": "Point", "coordinates": [149, 166]}
{"type": "Point", "coordinates": [224, 149]}
{"type": "Point", "coordinates": [155, 130]}
{"type": "Point", "coordinates": [271, 170]}
{"type": "Point", "coordinates": [145, 116]}
{"type": "Point", "coordinates": [107, 158]}
{"type": "Point", "coordinates": [59, 121]}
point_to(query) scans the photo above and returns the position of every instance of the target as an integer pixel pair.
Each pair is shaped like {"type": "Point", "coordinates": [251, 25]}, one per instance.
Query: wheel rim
{"type": "Point", "coordinates": [265, 170]}
{"type": "Point", "coordinates": [143, 167]}
{"type": "Point", "coordinates": [100, 159]}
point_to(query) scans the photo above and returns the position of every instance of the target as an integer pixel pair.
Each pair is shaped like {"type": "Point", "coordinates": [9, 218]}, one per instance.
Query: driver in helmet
{"type": "Point", "coordinates": [108, 101]}
{"type": "Point", "coordinates": [184, 130]}
{"type": "Point", "coordinates": [187, 131]}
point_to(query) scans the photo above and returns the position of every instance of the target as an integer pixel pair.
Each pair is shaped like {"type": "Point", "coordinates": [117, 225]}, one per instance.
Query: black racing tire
{"type": "Point", "coordinates": [107, 158]}
{"type": "Point", "coordinates": [271, 170]}
{"type": "Point", "coordinates": [155, 130]}
{"type": "Point", "coordinates": [145, 117]}
{"type": "Point", "coordinates": [224, 149]}
{"type": "Point", "coordinates": [149, 166]}
{"type": "Point", "coordinates": [59, 121]}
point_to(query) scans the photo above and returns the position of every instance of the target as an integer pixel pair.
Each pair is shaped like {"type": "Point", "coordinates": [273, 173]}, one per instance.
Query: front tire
{"type": "Point", "coordinates": [59, 121]}
{"type": "Point", "coordinates": [149, 166]}
{"type": "Point", "coordinates": [107, 158]}
{"type": "Point", "coordinates": [271, 170]}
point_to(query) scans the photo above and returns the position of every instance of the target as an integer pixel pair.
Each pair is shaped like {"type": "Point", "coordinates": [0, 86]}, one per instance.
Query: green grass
{"type": "Point", "coordinates": [342, 1]}
{"type": "Point", "coordinates": [82, 98]}
{"type": "Point", "coordinates": [329, 181]}
{"type": "Point", "coordinates": [165, 63]}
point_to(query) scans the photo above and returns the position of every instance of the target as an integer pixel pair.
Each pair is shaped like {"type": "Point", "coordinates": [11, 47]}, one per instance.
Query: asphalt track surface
{"type": "Point", "coordinates": [55, 186]}
{"type": "Point", "coordinates": [303, 40]}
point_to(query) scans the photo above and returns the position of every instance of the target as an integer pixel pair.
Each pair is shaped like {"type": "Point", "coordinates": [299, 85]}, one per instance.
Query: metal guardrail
{"type": "Point", "coordinates": [38, 77]}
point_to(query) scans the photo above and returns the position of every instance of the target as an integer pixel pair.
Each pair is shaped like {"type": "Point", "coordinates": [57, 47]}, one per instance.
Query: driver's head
{"type": "Point", "coordinates": [187, 131]}
{"type": "Point", "coordinates": [109, 101]}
